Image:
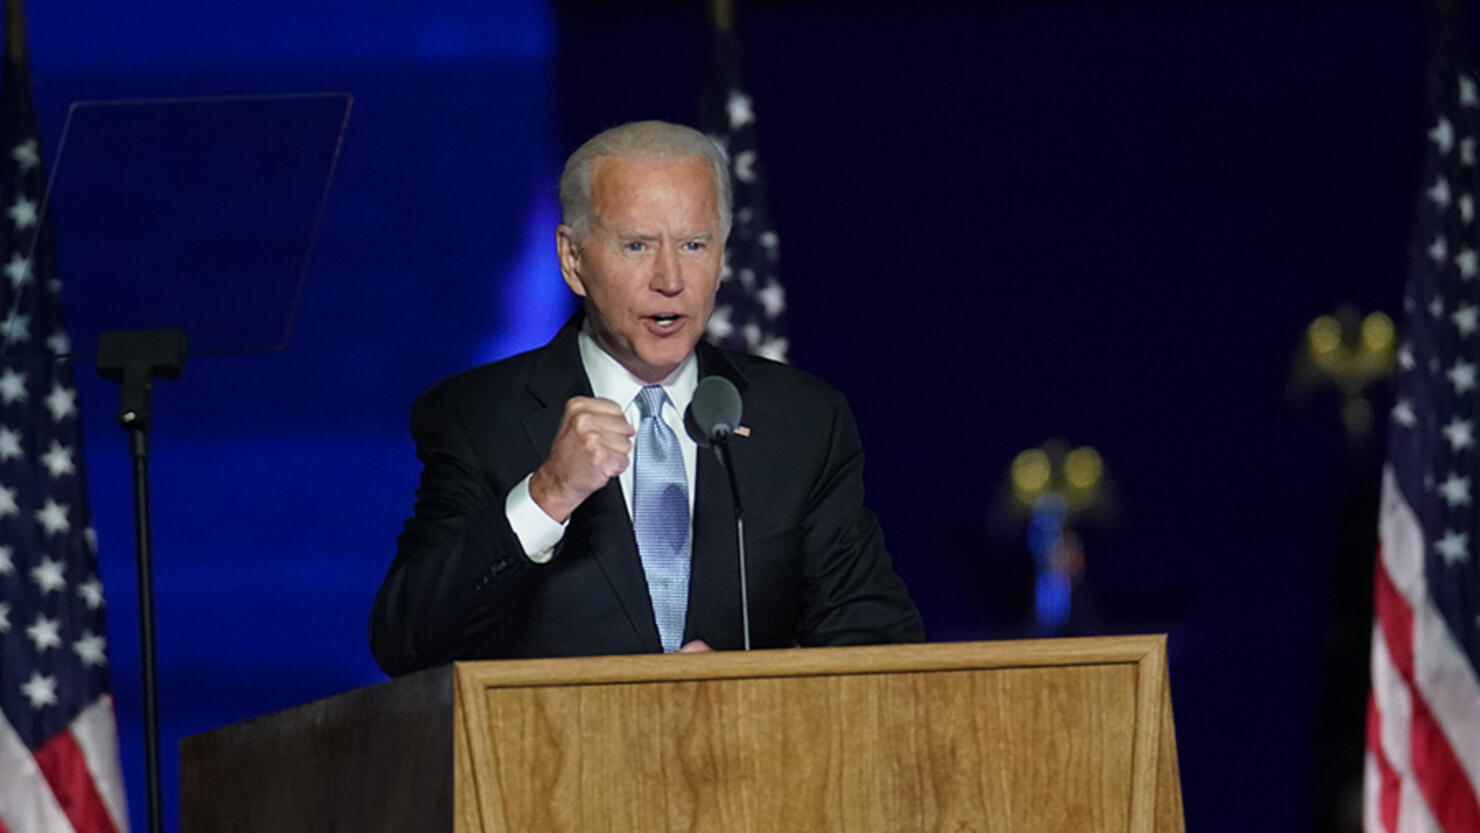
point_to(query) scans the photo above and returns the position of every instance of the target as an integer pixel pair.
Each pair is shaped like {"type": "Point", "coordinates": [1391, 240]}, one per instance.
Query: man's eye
{"type": "Point", "coordinates": [694, 246]}
{"type": "Point", "coordinates": [636, 246]}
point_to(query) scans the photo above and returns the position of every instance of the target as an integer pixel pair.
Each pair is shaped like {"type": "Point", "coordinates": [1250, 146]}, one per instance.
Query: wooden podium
{"type": "Point", "coordinates": [1047, 735]}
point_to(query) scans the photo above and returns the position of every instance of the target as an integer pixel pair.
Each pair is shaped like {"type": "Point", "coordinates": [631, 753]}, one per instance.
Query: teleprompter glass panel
{"type": "Point", "coordinates": [198, 214]}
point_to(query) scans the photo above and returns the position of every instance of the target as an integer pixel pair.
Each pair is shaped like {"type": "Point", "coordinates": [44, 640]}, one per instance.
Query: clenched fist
{"type": "Point", "coordinates": [593, 445]}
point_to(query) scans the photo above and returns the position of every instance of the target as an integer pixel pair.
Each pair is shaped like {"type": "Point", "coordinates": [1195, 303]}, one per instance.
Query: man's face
{"type": "Point", "coordinates": [650, 264]}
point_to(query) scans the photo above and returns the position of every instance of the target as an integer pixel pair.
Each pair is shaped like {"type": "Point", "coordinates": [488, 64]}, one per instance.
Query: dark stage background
{"type": "Point", "coordinates": [999, 223]}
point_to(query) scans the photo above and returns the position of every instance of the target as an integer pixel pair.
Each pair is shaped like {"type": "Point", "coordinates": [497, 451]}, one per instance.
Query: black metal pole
{"type": "Point", "coordinates": [722, 448]}
{"type": "Point", "coordinates": [139, 448]}
{"type": "Point", "coordinates": [134, 359]}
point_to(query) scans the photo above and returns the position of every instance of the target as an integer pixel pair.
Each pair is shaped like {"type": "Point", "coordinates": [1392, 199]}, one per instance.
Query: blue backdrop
{"type": "Point", "coordinates": [1013, 221]}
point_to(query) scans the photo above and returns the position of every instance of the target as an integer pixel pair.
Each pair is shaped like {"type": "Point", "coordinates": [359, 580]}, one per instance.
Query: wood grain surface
{"type": "Point", "coordinates": [1053, 735]}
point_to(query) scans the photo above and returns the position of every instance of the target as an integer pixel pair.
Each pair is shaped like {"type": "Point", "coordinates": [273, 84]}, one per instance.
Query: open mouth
{"type": "Point", "coordinates": [665, 319]}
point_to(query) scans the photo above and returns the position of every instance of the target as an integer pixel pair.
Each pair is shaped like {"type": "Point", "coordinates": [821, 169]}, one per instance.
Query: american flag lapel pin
{"type": "Point", "coordinates": [742, 430]}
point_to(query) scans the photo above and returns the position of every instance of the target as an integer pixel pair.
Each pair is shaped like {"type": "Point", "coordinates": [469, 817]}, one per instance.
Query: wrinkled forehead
{"type": "Point", "coordinates": [680, 186]}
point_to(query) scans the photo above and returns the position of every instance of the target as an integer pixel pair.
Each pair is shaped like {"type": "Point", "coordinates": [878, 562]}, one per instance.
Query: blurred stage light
{"type": "Point", "coordinates": [1324, 335]}
{"type": "Point", "coordinates": [1030, 473]}
{"type": "Point", "coordinates": [1377, 331]}
{"type": "Point", "coordinates": [1351, 353]}
{"type": "Point", "coordinates": [1083, 467]}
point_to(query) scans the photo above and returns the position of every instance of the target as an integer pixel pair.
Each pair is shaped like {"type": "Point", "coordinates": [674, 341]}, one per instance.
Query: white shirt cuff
{"type": "Point", "coordinates": [537, 532]}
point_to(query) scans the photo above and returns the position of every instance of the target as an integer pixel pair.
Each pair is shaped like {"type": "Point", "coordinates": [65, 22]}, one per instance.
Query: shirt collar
{"type": "Point", "coordinates": [610, 380]}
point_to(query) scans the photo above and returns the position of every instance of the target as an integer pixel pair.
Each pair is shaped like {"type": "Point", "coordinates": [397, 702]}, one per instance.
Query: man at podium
{"type": "Point", "coordinates": [565, 510]}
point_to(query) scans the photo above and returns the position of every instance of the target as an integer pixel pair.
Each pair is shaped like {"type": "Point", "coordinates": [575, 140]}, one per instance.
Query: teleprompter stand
{"type": "Point", "coordinates": [199, 215]}
{"type": "Point", "coordinates": [134, 359]}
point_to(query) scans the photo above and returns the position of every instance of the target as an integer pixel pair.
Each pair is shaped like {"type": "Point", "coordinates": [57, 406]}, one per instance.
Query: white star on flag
{"type": "Point", "coordinates": [48, 576]}
{"type": "Point", "coordinates": [1460, 433]}
{"type": "Point", "coordinates": [1443, 135]}
{"type": "Point", "coordinates": [1467, 96]}
{"type": "Point", "coordinates": [1462, 376]}
{"type": "Point", "coordinates": [773, 298]}
{"type": "Point", "coordinates": [26, 155]}
{"type": "Point", "coordinates": [7, 502]}
{"type": "Point", "coordinates": [774, 349]}
{"type": "Point", "coordinates": [7, 564]}
{"type": "Point", "coordinates": [1403, 414]}
{"type": "Point", "coordinates": [40, 690]}
{"type": "Point", "coordinates": [18, 269]}
{"type": "Point", "coordinates": [58, 460]}
{"type": "Point", "coordinates": [1405, 357]}
{"type": "Point", "coordinates": [738, 107]}
{"type": "Point", "coordinates": [59, 343]}
{"type": "Point", "coordinates": [17, 328]}
{"type": "Point", "coordinates": [1467, 262]}
{"type": "Point", "coordinates": [1466, 319]}
{"type": "Point", "coordinates": [12, 386]}
{"type": "Point", "coordinates": [62, 402]}
{"type": "Point", "coordinates": [53, 517]}
{"type": "Point", "coordinates": [752, 334]}
{"type": "Point", "coordinates": [4, 617]}
{"type": "Point", "coordinates": [22, 213]}
{"type": "Point", "coordinates": [1439, 249]}
{"type": "Point", "coordinates": [719, 325]}
{"type": "Point", "coordinates": [10, 445]}
{"type": "Point", "coordinates": [1439, 192]}
{"type": "Point", "coordinates": [1456, 490]}
{"type": "Point", "coordinates": [1467, 150]}
{"type": "Point", "coordinates": [745, 167]}
{"type": "Point", "coordinates": [90, 649]}
{"type": "Point", "coordinates": [1454, 546]}
{"type": "Point", "coordinates": [1467, 208]}
{"type": "Point", "coordinates": [91, 592]}
{"type": "Point", "coordinates": [45, 633]}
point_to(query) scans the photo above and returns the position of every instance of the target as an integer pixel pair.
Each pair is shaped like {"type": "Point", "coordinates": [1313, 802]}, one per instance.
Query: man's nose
{"type": "Point", "coordinates": [667, 275]}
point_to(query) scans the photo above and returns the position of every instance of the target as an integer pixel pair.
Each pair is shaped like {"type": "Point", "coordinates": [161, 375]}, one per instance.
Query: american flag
{"type": "Point", "coordinates": [58, 735]}
{"type": "Point", "coordinates": [1423, 718]}
{"type": "Point", "coordinates": [750, 310]}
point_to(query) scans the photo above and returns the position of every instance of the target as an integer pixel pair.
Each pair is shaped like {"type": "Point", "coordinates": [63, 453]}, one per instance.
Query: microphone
{"type": "Point", "coordinates": [714, 412]}
{"type": "Point", "coordinates": [712, 416]}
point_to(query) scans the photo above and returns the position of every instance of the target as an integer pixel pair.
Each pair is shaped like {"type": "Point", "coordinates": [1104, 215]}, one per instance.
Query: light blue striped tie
{"type": "Point", "coordinates": [660, 516]}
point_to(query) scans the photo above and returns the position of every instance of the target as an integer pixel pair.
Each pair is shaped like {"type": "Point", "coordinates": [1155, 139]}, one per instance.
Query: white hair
{"type": "Point", "coordinates": [639, 140]}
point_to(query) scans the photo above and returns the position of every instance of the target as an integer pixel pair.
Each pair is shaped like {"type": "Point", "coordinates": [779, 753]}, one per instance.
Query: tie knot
{"type": "Point", "coordinates": [650, 401]}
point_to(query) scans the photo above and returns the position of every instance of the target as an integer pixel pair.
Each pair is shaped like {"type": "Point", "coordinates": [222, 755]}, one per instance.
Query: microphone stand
{"type": "Point", "coordinates": [722, 448]}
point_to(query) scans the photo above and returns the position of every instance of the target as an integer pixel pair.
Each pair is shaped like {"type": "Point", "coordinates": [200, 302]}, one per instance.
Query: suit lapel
{"type": "Point", "coordinates": [602, 520]}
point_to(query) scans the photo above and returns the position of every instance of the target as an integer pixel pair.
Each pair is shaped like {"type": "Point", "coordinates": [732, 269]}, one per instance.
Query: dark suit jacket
{"type": "Point", "coordinates": [461, 586]}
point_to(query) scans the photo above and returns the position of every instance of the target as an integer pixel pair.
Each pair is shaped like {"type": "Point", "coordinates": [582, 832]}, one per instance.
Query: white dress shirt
{"type": "Point", "coordinates": [538, 533]}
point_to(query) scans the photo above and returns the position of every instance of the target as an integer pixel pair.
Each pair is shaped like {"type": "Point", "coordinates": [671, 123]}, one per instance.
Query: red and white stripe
{"type": "Point", "coordinates": [1423, 717]}
{"type": "Point", "coordinates": [71, 785]}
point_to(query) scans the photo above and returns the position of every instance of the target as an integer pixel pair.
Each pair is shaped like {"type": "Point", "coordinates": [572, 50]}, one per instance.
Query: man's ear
{"type": "Point", "coordinates": [569, 252]}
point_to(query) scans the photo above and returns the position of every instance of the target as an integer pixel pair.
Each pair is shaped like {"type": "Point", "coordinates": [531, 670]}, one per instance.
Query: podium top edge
{"type": "Point", "coordinates": [804, 662]}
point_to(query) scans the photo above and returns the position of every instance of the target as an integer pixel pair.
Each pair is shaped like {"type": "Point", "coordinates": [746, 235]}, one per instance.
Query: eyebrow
{"type": "Point", "coordinates": [644, 237]}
